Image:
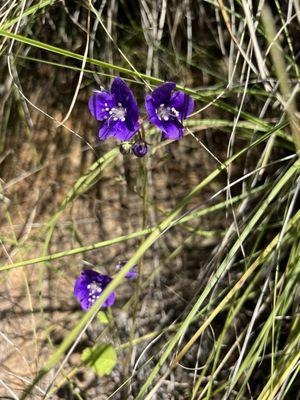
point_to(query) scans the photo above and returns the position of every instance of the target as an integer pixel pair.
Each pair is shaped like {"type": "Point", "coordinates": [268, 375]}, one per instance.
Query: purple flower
{"type": "Point", "coordinates": [140, 148]}
{"type": "Point", "coordinates": [117, 110]}
{"type": "Point", "coordinates": [167, 110]}
{"type": "Point", "coordinates": [131, 274]}
{"type": "Point", "coordinates": [88, 288]}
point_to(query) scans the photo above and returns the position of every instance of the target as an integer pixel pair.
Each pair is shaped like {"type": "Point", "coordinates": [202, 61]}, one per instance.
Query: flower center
{"type": "Point", "coordinates": [94, 290]}
{"type": "Point", "coordinates": [164, 112]}
{"type": "Point", "coordinates": [115, 113]}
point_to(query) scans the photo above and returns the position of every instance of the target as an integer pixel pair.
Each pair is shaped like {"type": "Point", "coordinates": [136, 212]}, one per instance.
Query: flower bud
{"type": "Point", "coordinates": [140, 148]}
{"type": "Point", "coordinates": [125, 148]}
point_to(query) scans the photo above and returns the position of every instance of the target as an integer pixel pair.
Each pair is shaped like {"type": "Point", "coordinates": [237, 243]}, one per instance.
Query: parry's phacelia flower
{"type": "Point", "coordinates": [88, 288]}
{"type": "Point", "coordinates": [117, 110]}
{"type": "Point", "coordinates": [131, 274]}
{"type": "Point", "coordinates": [167, 110]}
{"type": "Point", "coordinates": [140, 148]}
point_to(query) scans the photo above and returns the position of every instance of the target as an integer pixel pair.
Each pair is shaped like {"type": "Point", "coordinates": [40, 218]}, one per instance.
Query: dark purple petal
{"type": "Point", "coordinates": [107, 129]}
{"type": "Point", "coordinates": [124, 96]}
{"type": "Point", "coordinates": [132, 108]}
{"type": "Point", "coordinates": [80, 289]}
{"type": "Point", "coordinates": [90, 275]}
{"type": "Point", "coordinates": [162, 94]}
{"type": "Point", "coordinates": [157, 122]}
{"type": "Point", "coordinates": [100, 104]}
{"type": "Point", "coordinates": [152, 113]}
{"type": "Point", "coordinates": [117, 129]}
{"type": "Point", "coordinates": [84, 303]}
{"type": "Point", "coordinates": [183, 103]}
{"type": "Point", "coordinates": [129, 124]}
{"type": "Point", "coordinates": [122, 131]}
{"type": "Point", "coordinates": [131, 274]}
{"type": "Point", "coordinates": [173, 129]}
{"type": "Point", "coordinates": [150, 107]}
{"type": "Point", "coordinates": [132, 125]}
{"type": "Point", "coordinates": [121, 91]}
{"type": "Point", "coordinates": [109, 301]}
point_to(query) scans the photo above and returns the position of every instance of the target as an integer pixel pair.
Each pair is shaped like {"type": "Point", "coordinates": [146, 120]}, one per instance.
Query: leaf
{"type": "Point", "coordinates": [102, 317]}
{"type": "Point", "coordinates": [101, 358]}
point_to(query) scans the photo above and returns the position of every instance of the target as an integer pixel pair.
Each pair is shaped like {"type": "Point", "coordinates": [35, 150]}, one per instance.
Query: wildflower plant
{"type": "Point", "coordinates": [118, 113]}
{"type": "Point", "coordinates": [215, 223]}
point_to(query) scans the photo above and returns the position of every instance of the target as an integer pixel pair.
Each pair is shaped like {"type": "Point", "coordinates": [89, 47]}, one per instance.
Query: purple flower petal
{"type": "Point", "coordinates": [117, 129]}
{"type": "Point", "coordinates": [182, 103]}
{"type": "Point", "coordinates": [173, 129]}
{"type": "Point", "coordinates": [88, 288]}
{"type": "Point", "coordinates": [162, 94]}
{"type": "Point", "coordinates": [107, 129]}
{"type": "Point", "coordinates": [132, 110]}
{"type": "Point", "coordinates": [150, 106]}
{"type": "Point", "coordinates": [152, 113]}
{"type": "Point", "coordinates": [125, 97]}
{"type": "Point", "coordinates": [131, 274]}
{"type": "Point", "coordinates": [109, 301]}
{"type": "Point", "coordinates": [100, 104]}
{"type": "Point", "coordinates": [121, 91]}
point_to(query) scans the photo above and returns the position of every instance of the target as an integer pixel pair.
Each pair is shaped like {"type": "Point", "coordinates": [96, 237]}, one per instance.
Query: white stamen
{"type": "Point", "coordinates": [118, 113]}
{"type": "Point", "coordinates": [173, 109]}
{"type": "Point", "coordinates": [164, 113]}
{"type": "Point", "coordinates": [94, 291]}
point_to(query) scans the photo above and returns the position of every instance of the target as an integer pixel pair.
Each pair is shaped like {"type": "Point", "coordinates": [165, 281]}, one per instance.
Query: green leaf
{"type": "Point", "coordinates": [101, 358]}
{"type": "Point", "coordinates": [102, 317]}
